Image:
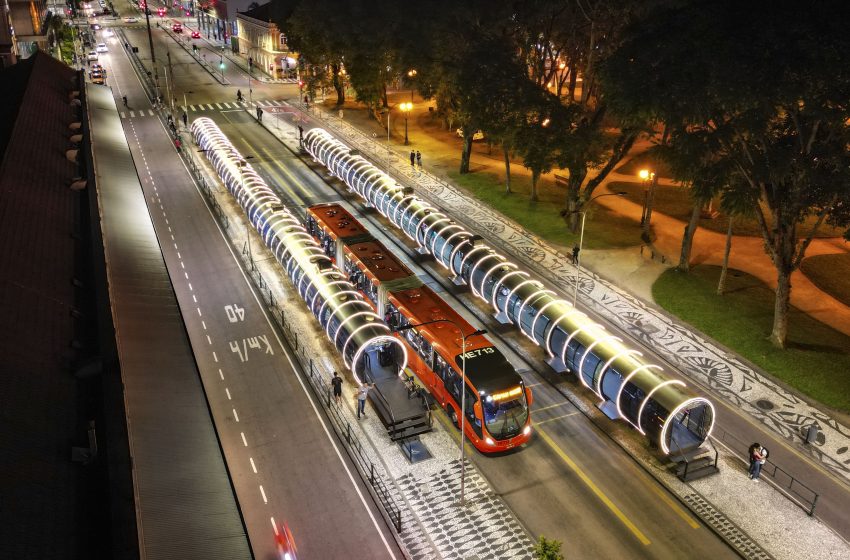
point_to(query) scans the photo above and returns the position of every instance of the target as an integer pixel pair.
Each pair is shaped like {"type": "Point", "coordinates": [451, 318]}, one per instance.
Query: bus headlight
{"type": "Point", "coordinates": [526, 430]}
{"type": "Point", "coordinates": [489, 441]}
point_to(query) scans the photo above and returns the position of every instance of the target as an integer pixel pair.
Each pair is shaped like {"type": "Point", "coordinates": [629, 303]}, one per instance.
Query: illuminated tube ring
{"type": "Point", "coordinates": [611, 360]}
{"type": "Point", "coordinates": [575, 333]}
{"type": "Point", "coordinates": [672, 416]}
{"type": "Point", "coordinates": [588, 350]}
{"type": "Point", "coordinates": [499, 283]}
{"type": "Point", "coordinates": [512, 292]}
{"type": "Point", "coordinates": [530, 300]}
{"type": "Point", "coordinates": [647, 397]}
{"type": "Point", "coordinates": [554, 325]}
{"type": "Point", "coordinates": [623, 386]}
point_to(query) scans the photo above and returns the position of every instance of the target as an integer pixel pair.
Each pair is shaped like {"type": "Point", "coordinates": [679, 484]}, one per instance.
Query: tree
{"type": "Point", "coordinates": [547, 549]}
{"type": "Point", "coordinates": [774, 122]}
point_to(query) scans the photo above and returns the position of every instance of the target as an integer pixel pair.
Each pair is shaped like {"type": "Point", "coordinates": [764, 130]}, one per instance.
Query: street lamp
{"type": "Point", "coordinates": [581, 237]}
{"type": "Point", "coordinates": [405, 108]}
{"type": "Point", "coordinates": [646, 177]}
{"type": "Point", "coordinates": [463, 338]}
{"type": "Point", "coordinates": [411, 74]}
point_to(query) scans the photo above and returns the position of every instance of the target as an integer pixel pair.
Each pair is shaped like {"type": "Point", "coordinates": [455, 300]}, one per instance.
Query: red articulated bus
{"type": "Point", "coordinates": [497, 401]}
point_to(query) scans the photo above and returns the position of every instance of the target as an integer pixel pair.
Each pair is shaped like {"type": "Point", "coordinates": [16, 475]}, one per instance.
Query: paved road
{"type": "Point", "coordinates": [574, 483]}
{"type": "Point", "coordinates": [285, 465]}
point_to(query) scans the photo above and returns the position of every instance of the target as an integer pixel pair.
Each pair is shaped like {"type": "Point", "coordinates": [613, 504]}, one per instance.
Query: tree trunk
{"type": "Point", "coordinates": [588, 68]}
{"type": "Point", "coordinates": [507, 153]}
{"type": "Point", "coordinates": [721, 284]}
{"type": "Point", "coordinates": [338, 86]}
{"type": "Point", "coordinates": [688, 239]}
{"type": "Point", "coordinates": [571, 88]}
{"type": "Point", "coordinates": [779, 334]}
{"type": "Point", "coordinates": [535, 177]}
{"type": "Point", "coordinates": [465, 155]}
{"type": "Point", "coordinates": [385, 102]}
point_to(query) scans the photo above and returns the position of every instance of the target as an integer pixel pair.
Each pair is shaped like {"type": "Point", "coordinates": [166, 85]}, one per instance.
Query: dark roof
{"type": "Point", "coordinates": [261, 13]}
{"type": "Point", "coordinates": [40, 399]}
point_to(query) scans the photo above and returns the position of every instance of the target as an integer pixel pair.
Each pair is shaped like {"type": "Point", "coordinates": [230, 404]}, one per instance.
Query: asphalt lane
{"type": "Point", "coordinates": [573, 483]}
{"type": "Point", "coordinates": [285, 465]}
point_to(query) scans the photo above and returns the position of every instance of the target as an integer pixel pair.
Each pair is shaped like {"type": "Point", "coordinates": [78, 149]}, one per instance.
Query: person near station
{"type": "Point", "coordinates": [185, 120]}
{"type": "Point", "coordinates": [419, 159]}
{"type": "Point", "coordinates": [259, 114]}
{"type": "Point", "coordinates": [177, 143]}
{"type": "Point", "coordinates": [239, 95]}
{"type": "Point", "coordinates": [300, 133]}
{"type": "Point", "coordinates": [362, 395]}
{"type": "Point", "coordinates": [576, 251]}
{"type": "Point", "coordinates": [336, 383]}
{"type": "Point", "coordinates": [412, 158]}
{"type": "Point", "coordinates": [756, 461]}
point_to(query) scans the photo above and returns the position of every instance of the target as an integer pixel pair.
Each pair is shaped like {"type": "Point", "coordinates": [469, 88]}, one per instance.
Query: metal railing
{"type": "Point", "coordinates": [314, 373]}
{"type": "Point", "coordinates": [217, 75]}
{"type": "Point", "coordinates": [788, 484]}
{"type": "Point", "coordinates": [144, 74]}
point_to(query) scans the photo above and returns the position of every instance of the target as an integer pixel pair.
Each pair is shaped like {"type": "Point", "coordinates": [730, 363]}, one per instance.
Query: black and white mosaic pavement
{"type": "Point", "coordinates": [691, 353]}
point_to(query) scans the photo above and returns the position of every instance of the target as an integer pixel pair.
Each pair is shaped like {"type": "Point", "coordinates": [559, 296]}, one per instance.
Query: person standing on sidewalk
{"type": "Point", "coordinates": [575, 254]}
{"type": "Point", "coordinates": [336, 382]}
{"type": "Point", "coordinates": [756, 461]}
{"type": "Point", "coordinates": [185, 120]}
{"type": "Point", "coordinates": [419, 159]}
{"type": "Point", "coordinates": [412, 158]}
{"type": "Point", "coordinates": [362, 394]}
{"type": "Point", "coordinates": [259, 114]}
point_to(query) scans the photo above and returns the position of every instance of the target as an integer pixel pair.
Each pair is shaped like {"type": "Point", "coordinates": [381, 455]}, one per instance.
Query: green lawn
{"type": "Point", "coordinates": [830, 273]}
{"type": "Point", "coordinates": [603, 229]}
{"type": "Point", "coordinates": [817, 360]}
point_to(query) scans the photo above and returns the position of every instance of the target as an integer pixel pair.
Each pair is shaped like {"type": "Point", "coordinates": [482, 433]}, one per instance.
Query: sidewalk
{"type": "Point", "coordinates": [710, 366]}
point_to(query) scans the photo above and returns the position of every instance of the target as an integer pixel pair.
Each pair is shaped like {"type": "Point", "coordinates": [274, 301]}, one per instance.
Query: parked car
{"type": "Point", "coordinates": [196, 34]}
{"type": "Point", "coordinates": [479, 135]}
{"type": "Point", "coordinates": [101, 47]}
{"type": "Point", "coordinates": [92, 55]}
{"type": "Point", "coordinates": [97, 77]}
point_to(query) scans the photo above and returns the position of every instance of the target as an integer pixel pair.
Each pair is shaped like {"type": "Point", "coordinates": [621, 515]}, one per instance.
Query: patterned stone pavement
{"type": "Point", "coordinates": [699, 358]}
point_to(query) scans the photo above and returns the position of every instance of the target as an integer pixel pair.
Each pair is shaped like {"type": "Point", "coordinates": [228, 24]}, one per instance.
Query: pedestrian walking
{"type": "Point", "coordinates": [575, 254]}
{"type": "Point", "coordinates": [300, 133]}
{"type": "Point", "coordinates": [419, 159]}
{"type": "Point", "coordinates": [259, 114]}
{"type": "Point", "coordinates": [177, 144]}
{"type": "Point", "coordinates": [412, 158]}
{"type": "Point", "coordinates": [185, 120]}
{"type": "Point", "coordinates": [362, 394]}
{"type": "Point", "coordinates": [336, 382]}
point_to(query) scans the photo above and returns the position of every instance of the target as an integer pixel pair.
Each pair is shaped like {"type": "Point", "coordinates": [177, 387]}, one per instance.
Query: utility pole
{"type": "Point", "coordinates": [153, 54]}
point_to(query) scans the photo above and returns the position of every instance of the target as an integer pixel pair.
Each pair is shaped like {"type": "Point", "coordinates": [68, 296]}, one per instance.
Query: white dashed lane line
{"type": "Point", "coordinates": [155, 199]}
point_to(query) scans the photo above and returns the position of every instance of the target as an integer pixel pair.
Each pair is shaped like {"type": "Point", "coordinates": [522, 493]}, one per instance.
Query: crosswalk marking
{"type": "Point", "coordinates": [228, 105]}
{"type": "Point", "coordinates": [219, 105]}
{"type": "Point", "coordinates": [132, 114]}
{"type": "Point", "coordinates": [123, 115]}
{"type": "Point", "coordinates": [150, 111]}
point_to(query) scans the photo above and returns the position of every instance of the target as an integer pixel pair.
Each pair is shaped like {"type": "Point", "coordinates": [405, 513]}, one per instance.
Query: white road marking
{"type": "Point", "coordinates": [226, 390]}
{"type": "Point", "coordinates": [190, 287]}
{"type": "Point", "coordinates": [235, 415]}
{"type": "Point", "coordinates": [132, 114]}
{"type": "Point", "coordinates": [275, 527]}
{"type": "Point", "coordinates": [194, 298]}
{"type": "Point", "coordinates": [221, 374]}
{"type": "Point", "coordinates": [199, 312]}
{"type": "Point", "coordinates": [263, 492]}
{"type": "Point", "coordinates": [183, 266]}
{"type": "Point", "coordinates": [204, 324]}
{"type": "Point", "coordinates": [253, 466]}
{"type": "Point", "coordinates": [186, 274]}
{"type": "Point", "coordinates": [178, 253]}
{"type": "Point", "coordinates": [175, 246]}
{"type": "Point", "coordinates": [216, 359]}
{"type": "Point", "coordinates": [244, 441]}
{"type": "Point", "coordinates": [209, 340]}
{"type": "Point", "coordinates": [219, 105]}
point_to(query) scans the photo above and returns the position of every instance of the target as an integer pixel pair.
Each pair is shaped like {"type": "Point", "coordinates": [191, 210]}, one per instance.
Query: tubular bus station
{"type": "Point", "coordinates": [665, 410]}
{"type": "Point", "coordinates": [496, 402]}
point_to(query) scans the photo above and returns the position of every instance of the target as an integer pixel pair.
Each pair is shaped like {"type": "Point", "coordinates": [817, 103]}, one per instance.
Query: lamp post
{"type": "Point", "coordinates": [581, 238]}
{"type": "Point", "coordinates": [463, 339]}
{"type": "Point", "coordinates": [646, 177]}
{"type": "Point", "coordinates": [221, 64]}
{"type": "Point", "coordinates": [411, 74]}
{"type": "Point", "coordinates": [405, 108]}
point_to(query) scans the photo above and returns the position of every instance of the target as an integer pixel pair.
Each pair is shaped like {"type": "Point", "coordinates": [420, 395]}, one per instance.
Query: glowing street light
{"type": "Point", "coordinates": [646, 176]}
{"type": "Point", "coordinates": [405, 108]}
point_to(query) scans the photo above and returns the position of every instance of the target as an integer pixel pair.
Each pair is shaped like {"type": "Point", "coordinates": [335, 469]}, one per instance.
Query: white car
{"type": "Point", "coordinates": [479, 135]}
{"type": "Point", "coordinates": [130, 20]}
{"type": "Point", "coordinates": [108, 33]}
{"type": "Point", "coordinates": [101, 47]}
{"type": "Point", "coordinates": [92, 55]}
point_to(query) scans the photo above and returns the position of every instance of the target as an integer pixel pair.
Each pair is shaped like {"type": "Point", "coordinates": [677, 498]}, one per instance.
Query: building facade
{"type": "Point", "coordinates": [261, 41]}
{"type": "Point", "coordinates": [23, 29]}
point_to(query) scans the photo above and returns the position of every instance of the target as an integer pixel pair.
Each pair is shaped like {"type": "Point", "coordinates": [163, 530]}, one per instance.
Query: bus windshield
{"type": "Point", "coordinates": [505, 413]}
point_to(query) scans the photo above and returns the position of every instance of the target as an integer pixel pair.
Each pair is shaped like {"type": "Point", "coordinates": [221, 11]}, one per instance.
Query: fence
{"type": "Point", "coordinates": [793, 488]}
{"type": "Point", "coordinates": [317, 375]}
{"type": "Point", "coordinates": [141, 71]}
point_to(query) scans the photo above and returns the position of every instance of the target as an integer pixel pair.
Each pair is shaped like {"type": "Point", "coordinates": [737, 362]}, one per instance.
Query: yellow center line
{"type": "Point", "coordinates": [595, 489]}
